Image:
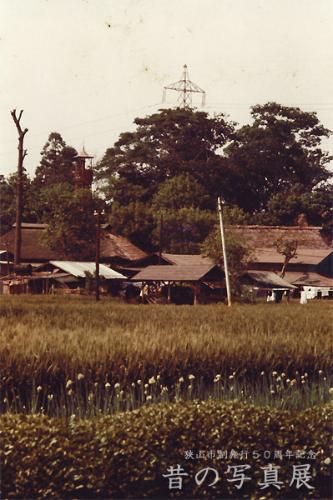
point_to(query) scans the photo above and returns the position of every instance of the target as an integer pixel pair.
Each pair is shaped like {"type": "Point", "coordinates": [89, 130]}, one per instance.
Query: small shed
{"type": "Point", "coordinates": [266, 280]}
{"type": "Point", "coordinates": [267, 283]}
{"type": "Point", "coordinates": [194, 275]}
{"type": "Point", "coordinates": [85, 273]}
{"type": "Point", "coordinates": [314, 284]}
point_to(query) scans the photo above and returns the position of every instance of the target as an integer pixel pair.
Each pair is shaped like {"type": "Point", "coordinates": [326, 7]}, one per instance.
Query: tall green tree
{"type": "Point", "coordinates": [7, 201]}
{"type": "Point", "coordinates": [71, 229]}
{"type": "Point", "coordinates": [280, 149]}
{"type": "Point", "coordinates": [164, 145]}
{"type": "Point", "coordinates": [285, 207]}
{"type": "Point", "coordinates": [57, 163]}
{"type": "Point", "coordinates": [180, 191]}
{"type": "Point", "coordinates": [136, 221]}
{"type": "Point", "coordinates": [182, 230]}
{"type": "Point", "coordinates": [238, 254]}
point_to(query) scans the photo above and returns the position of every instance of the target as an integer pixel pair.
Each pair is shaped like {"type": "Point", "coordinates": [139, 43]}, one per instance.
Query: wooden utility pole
{"type": "Point", "coordinates": [98, 251]}
{"type": "Point", "coordinates": [22, 153]}
{"type": "Point", "coordinates": [225, 260]}
{"type": "Point", "coordinates": [160, 238]}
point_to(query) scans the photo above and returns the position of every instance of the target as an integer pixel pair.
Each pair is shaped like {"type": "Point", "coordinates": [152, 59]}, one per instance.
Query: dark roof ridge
{"type": "Point", "coordinates": [255, 226]}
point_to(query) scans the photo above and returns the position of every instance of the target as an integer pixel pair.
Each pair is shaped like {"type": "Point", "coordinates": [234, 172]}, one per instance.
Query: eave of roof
{"type": "Point", "coordinates": [78, 269]}
{"type": "Point", "coordinates": [309, 279]}
{"type": "Point", "coordinates": [268, 279]}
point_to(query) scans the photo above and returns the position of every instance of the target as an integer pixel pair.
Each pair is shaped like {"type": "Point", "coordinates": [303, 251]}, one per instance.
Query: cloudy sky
{"type": "Point", "coordinates": [87, 68]}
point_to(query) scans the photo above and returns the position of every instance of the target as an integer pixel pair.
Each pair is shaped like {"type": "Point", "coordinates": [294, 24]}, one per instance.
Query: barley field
{"type": "Point", "coordinates": [71, 352]}
{"type": "Point", "coordinates": [89, 389]}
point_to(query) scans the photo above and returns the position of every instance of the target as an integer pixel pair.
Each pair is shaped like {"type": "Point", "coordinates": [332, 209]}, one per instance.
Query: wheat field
{"type": "Point", "coordinates": [72, 349]}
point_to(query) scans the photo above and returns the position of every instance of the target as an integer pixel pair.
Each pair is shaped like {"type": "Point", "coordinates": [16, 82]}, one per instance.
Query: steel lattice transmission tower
{"type": "Point", "coordinates": [185, 88]}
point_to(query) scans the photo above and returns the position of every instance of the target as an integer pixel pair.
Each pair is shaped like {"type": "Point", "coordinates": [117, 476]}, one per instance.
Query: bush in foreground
{"type": "Point", "coordinates": [125, 456]}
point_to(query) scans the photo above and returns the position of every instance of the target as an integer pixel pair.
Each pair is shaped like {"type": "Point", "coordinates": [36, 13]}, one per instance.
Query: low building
{"type": "Point", "coordinates": [116, 250]}
{"type": "Point", "coordinates": [314, 251]}
{"type": "Point", "coordinates": [61, 277]}
{"type": "Point", "coordinates": [195, 277]}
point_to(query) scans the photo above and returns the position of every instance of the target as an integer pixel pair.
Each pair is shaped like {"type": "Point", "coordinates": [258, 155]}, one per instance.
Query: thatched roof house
{"type": "Point", "coordinates": [114, 248]}
{"type": "Point", "coordinates": [314, 251]}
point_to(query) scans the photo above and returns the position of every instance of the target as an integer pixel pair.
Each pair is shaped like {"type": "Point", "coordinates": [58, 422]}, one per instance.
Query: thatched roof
{"type": "Point", "coordinates": [187, 259]}
{"type": "Point", "coordinates": [33, 250]}
{"type": "Point", "coordinates": [312, 246]}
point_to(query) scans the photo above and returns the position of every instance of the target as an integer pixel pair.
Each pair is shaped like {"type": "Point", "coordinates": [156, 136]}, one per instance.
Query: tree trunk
{"type": "Point", "coordinates": [19, 186]}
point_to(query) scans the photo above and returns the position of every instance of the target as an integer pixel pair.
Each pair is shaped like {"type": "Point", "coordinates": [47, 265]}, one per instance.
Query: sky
{"type": "Point", "coordinates": [87, 68]}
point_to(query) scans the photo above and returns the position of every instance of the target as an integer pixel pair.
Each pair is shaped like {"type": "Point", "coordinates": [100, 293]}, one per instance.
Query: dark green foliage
{"type": "Point", "coordinates": [285, 208]}
{"type": "Point", "coordinates": [280, 149]}
{"type": "Point", "coordinates": [56, 165]}
{"type": "Point", "coordinates": [125, 456]}
{"type": "Point", "coordinates": [135, 220]}
{"type": "Point", "coordinates": [181, 191]}
{"type": "Point", "coordinates": [183, 230]}
{"type": "Point", "coordinates": [164, 145]}
{"type": "Point", "coordinates": [71, 228]}
{"type": "Point", "coordinates": [238, 252]}
{"type": "Point", "coordinates": [7, 201]}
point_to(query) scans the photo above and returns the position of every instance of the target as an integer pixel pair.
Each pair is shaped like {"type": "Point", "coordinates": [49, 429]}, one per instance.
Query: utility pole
{"type": "Point", "coordinates": [97, 213]}
{"type": "Point", "coordinates": [160, 244]}
{"type": "Point", "coordinates": [185, 88]}
{"type": "Point", "coordinates": [220, 203]}
{"type": "Point", "coordinates": [22, 153]}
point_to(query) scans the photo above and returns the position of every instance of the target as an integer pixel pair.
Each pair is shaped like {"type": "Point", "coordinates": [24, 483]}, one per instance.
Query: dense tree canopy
{"type": "Point", "coordinates": [56, 165]}
{"type": "Point", "coordinates": [7, 201]}
{"type": "Point", "coordinates": [71, 227]}
{"type": "Point", "coordinates": [173, 167]}
{"type": "Point", "coordinates": [164, 145]}
{"type": "Point", "coordinates": [280, 149]}
{"type": "Point", "coordinates": [181, 191]}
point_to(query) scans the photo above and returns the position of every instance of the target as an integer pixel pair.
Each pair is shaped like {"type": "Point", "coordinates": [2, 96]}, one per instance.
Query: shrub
{"type": "Point", "coordinates": [125, 456]}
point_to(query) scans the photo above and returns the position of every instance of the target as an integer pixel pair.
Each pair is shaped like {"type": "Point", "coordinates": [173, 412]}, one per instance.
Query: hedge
{"type": "Point", "coordinates": [126, 455]}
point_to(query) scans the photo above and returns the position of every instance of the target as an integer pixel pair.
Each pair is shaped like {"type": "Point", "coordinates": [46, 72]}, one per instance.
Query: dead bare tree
{"type": "Point", "coordinates": [22, 153]}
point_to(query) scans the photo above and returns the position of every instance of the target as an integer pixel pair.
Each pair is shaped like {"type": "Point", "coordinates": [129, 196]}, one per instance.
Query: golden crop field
{"type": "Point", "coordinates": [68, 344]}
{"type": "Point", "coordinates": [98, 388]}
